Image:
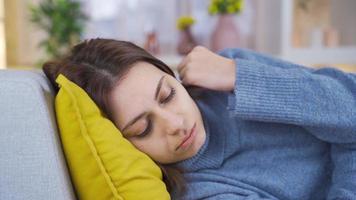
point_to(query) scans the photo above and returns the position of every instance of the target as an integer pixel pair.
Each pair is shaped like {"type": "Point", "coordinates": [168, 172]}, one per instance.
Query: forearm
{"type": "Point", "coordinates": [321, 100]}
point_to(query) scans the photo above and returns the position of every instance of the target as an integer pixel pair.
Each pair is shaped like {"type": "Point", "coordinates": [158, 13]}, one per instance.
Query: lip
{"type": "Point", "coordinates": [188, 139]}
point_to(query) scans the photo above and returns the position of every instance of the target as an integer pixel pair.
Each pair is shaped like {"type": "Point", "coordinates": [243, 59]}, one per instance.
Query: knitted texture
{"type": "Point", "coordinates": [285, 132]}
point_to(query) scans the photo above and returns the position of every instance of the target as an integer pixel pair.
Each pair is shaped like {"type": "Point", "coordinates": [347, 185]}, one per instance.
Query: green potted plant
{"type": "Point", "coordinates": [62, 20]}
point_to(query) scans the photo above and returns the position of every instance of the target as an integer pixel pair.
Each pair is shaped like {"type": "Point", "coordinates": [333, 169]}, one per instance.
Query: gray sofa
{"type": "Point", "coordinates": [32, 165]}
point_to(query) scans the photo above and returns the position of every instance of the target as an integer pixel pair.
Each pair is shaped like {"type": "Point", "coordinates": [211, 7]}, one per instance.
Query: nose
{"type": "Point", "coordinates": [172, 122]}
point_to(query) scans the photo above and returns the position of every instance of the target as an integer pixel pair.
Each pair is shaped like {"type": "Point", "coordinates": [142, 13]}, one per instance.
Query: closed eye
{"type": "Point", "coordinates": [146, 131]}
{"type": "Point", "coordinates": [150, 125]}
{"type": "Point", "coordinates": [170, 96]}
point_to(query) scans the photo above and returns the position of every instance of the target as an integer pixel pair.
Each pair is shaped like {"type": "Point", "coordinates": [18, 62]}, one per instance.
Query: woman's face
{"type": "Point", "coordinates": [157, 115]}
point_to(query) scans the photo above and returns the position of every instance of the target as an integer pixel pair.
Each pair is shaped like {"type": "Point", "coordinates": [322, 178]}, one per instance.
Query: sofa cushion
{"type": "Point", "coordinates": [103, 164]}
{"type": "Point", "coordinates": [32, 165]}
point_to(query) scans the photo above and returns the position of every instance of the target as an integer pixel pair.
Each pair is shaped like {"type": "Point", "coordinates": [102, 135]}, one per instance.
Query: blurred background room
{"type": "Point", "coordinates": [310, 32]}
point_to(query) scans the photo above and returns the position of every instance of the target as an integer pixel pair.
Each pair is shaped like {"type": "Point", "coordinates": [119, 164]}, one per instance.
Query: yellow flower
{"type": "Point", "coordinates": [225, 6]}
{"type": "Point", "coordinates": [239, 5]}
{"type": "Point", "coordinates": [231, 9]}
{"type": "Point", "coordinates": [213, 9]}
{"type": "Point", "coordinates": [184, 22]}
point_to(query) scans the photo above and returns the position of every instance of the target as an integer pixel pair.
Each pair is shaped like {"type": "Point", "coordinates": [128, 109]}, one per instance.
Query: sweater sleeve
{"type": "Point", "coordinates": [232, 196]}
{"type": "Point", "coordinates": [323, 101]}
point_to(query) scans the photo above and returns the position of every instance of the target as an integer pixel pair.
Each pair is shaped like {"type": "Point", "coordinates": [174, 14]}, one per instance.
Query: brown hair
{"type": "Point", "coordinates": [96, 65]}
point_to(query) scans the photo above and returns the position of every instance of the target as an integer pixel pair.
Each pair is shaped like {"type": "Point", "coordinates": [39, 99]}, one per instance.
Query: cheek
{"type": "Point", "coordinates": [184, 101]}
{"type": "Point", "coordinates": [152, 147]}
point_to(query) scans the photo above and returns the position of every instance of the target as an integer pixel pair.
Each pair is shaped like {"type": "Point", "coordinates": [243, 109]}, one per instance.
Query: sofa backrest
{"type": "Point", "coordinates": [32, 165]}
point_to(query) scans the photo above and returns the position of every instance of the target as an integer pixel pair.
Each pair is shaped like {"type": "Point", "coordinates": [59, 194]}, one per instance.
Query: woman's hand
{"type": "Point", "coordinates": [204, 68]}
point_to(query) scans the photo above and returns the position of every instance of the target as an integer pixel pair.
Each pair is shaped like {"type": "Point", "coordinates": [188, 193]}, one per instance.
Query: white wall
{"type": "Point", "coordinates": [132, 19]}
{"type": "Point", "coordinates": [269, 23]}
{"type": "Point", "coordinates": [2, 37]}
{"type": "Point", "coordinates": [341, 13]}
{"type": "Point", "coordinates": [129, 19]}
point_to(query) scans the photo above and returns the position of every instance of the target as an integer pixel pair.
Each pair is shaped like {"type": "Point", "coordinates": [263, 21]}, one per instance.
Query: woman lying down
{"type": "Point", "coordinates": [239, 125]}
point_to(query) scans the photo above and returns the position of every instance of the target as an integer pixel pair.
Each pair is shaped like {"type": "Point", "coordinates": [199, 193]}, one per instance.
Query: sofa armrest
{"type": "Point", "coordinates": [32, 164]}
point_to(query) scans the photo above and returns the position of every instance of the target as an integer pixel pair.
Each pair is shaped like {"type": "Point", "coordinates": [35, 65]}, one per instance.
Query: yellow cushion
{"type": "Point", "coordinates": [103, 165]}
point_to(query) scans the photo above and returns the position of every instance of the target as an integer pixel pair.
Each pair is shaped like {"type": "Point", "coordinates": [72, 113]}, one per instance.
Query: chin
{"type": "Point", "coordinates": [200, 139]}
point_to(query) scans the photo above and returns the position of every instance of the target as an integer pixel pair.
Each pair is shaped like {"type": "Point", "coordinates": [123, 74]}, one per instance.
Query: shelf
{"type": "Point", "coordinates": [274, 34]}
{"type": "Point", "coordinates": [337, 55]}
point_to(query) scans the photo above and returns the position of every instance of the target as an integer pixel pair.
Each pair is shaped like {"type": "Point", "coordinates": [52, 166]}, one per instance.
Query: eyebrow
{"type": "Point", "coordinates": [159, 85]}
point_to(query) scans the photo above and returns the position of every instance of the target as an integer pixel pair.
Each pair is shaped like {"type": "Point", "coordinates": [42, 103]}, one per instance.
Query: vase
{"type": "Point", "coordinates": [151, 43]}
{"type": "Point", "coordinates": [186, 41]}
{"type": "Point", "coordinates": [225, 34]}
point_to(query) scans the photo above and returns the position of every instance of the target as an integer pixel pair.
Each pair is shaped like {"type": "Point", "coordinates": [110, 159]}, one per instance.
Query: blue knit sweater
{"type": "Point", "coordinates": [285, 132]}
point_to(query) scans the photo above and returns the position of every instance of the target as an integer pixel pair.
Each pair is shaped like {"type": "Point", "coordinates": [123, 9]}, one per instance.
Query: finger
{"type": "Point", "coordinates": [184, 81]}
{"type": "Point", "coordinates": [182, 64]}
{"type": "Point", "coordinates": [187, 78]}
{"type": "Point", "coordinates": [182, 73]}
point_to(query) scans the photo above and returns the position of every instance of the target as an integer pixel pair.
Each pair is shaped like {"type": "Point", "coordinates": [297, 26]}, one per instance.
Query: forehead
{"type": "Point", "coordinates": [139, 80]}
{"type": "Point", "coordinates": [135, 92]}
